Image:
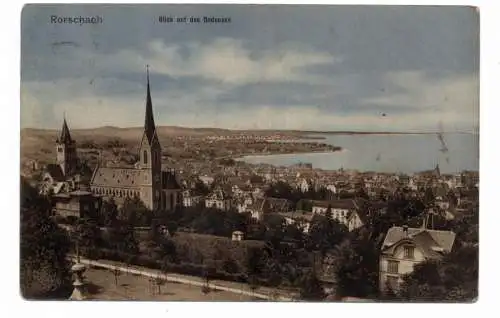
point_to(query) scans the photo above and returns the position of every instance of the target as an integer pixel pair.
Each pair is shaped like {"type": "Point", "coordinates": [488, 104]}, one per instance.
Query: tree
{"type": "Point", "coordinates": [275, 229]}
{"type": "Point", "coordinates": [116, 272]}
{"type": "Point", "coordinates": [310, 287]}
{"type": "Point", "coordinates": [43, 248]}
{"type": "Point", "coordinates": [162, 249]}
{"type": "Point", "coordinates": [294, 233]}
{"type": "Point", "coordinates": [454, 278]}
{"type": "Point", "coordinates": [172, 228]}
{"type": "Point", "coordinates": [429, 197]}
{"type": "Point", "coordinates": [160, 281]}
{"type": "Point", "coordinates": [282, 190]}
{"type": "Point", "coordinates": [325, 233]}
{"type": "Point", "coordinates": [273, 273]}
{"type": "Point", "coordinates": [108, 213]}
{"type": "Point", "coordinates": [253, 283]}
{"type": "Point", "coordinates": [255, 264]}
{"type": "Point", "coordinates": [87, 235]}
{"type": "Point", "coordinates": [207, 272]}
{"type": "Point", "coordinates": [122, 238]}
{"type": "Point", "coordinates": [134, 212]}
{"type": "Point", "coordinates": [200, 188]}
{"type": "Point", "coordinates": [356, 267]}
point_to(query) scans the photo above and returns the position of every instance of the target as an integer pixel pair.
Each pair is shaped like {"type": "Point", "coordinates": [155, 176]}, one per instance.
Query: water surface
{"type": "Point", "coordinates": [405, 153]}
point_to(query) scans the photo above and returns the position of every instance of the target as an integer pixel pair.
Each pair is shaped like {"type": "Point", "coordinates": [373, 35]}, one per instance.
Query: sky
{"type": "Point", "coordinates": [364, 68]}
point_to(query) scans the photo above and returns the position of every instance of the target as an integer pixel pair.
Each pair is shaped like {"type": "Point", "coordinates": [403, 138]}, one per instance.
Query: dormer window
{"type": "Point", "coordinates": [409, 252]}
{"type": "Point", "coordinates": [145, 157]}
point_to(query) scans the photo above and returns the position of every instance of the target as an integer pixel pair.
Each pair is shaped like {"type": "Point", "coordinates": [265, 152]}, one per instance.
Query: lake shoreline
{"type": "Point", "coordinates": [244, 157]}
{"type": "Point", "coordinates": [382, 153]}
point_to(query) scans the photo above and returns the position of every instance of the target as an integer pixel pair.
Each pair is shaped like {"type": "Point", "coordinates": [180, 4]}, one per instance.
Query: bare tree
{"type": "Point", "coordinates": [152, 288]}
{"type": "Point", "coordinates": [160, 281]}
{"type": "Point", "coordinates": [116, 273]}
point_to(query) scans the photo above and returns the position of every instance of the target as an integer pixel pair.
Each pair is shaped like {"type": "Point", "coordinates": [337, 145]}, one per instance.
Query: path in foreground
{"type": "Point", "coordinates": [262, 293]}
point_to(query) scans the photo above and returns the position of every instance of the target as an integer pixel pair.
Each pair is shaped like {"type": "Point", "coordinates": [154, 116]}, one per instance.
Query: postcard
{"type": "Point", "coordinates": [224, 152]}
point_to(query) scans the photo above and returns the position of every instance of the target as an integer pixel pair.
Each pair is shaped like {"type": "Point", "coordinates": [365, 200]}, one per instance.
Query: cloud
{"type": "Point", "coordinates": [201, 107]}
{"type": "Point", "coordinates": [222, 83]}
{"type": "Point", "coordinates": [225, 60]}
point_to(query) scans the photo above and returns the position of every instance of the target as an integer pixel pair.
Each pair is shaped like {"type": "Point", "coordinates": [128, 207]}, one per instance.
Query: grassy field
{"type": "Point", "coordinates": [101, 286]}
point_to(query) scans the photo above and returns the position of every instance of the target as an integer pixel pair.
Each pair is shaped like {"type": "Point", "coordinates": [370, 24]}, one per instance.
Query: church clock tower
{"type": "Point", "coordinates": [66, 151]}
{"type": "Point", "coordinates": [150, 157]}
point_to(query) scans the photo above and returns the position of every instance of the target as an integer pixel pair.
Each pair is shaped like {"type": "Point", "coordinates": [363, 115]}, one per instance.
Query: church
{"type": "Point", "coordinates": [65, 180]}
{"type": "Point", "coordinates": [156, 188]}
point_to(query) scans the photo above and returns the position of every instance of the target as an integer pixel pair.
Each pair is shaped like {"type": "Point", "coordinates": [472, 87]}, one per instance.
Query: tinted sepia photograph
{"type": "Point", "coordinates": [249, 153]}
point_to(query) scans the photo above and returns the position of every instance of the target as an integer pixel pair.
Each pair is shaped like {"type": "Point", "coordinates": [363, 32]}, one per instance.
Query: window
{"type": "Point", "coordinates": [392, 267]}
{"type": "Point", "coordinates": [145, 157]}
{"type": "Point", "coordinates": [409, 251]}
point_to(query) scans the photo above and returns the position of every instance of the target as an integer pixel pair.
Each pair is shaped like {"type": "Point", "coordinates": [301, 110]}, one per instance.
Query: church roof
{"type": "Point", "coordinates": [128, 178]}
{"type": "Point", "coordinates": [117, 177]}
{"type": "Point", "coordinates": [65, 136]}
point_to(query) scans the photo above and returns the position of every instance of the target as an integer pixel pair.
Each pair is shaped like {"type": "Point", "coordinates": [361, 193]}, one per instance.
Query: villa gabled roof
{"type": "Point", "coordinates": [432, 243]}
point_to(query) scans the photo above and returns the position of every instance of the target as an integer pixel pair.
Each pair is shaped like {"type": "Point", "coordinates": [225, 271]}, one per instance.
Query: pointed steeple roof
{"type": "Point", "coordinates": [149, 122]}
{"type": "Point", "coordinates": [65, 136]}
{"type": "Point", "coordinates": [437, 171]}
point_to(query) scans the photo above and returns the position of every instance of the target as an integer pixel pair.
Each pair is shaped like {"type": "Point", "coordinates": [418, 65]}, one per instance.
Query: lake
{"type": "Point", "coordinates": [397, 153]}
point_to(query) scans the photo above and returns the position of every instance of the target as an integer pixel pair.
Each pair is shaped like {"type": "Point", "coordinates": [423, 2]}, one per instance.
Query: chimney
{"type": "Point", "coordinates": [405, 230]}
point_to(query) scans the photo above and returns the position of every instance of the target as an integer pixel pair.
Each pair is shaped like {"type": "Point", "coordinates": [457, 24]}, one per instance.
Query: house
{"type": "Point", "coordinates": [80, 203]}
{"type": "Point", "coordinates": [220, 199]}
{"type": "Point", "coordinates": [304, 185]}
{"type": "Point", "coordinates": [243, 203]}
{"type": "Point", "coordinates": [357, 219]}
{"type": "Point", "coordinates": [269, 205]}
{"type": "Point", "coordinates": [360, 217]}
{"type": "Point", "coordinates": [340, 209]}
{"type": "Point", "coordinates": [404, 247]}
{"type": "Point", "coordinates": [189, 199]}
{"type": "Point", "coordinates": [301, 218]}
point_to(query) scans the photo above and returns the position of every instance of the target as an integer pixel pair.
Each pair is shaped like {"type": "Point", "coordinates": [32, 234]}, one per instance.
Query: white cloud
{"type": "Point", "coordinates": [225, 60]}
{"type": "Point", "coordinates": [100, 101]}
{"type": "Point", "coordinates": [453, 101]}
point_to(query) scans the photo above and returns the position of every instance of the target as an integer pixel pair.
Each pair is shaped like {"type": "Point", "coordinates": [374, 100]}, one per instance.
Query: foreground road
{"type": "Point", "coordinates": [232, 287]}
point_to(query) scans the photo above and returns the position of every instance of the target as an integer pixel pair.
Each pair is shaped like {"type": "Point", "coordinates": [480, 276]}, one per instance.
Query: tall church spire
{"type": "Point", "coordinates": [65, 136]}
{"type": "Point", "coordinates": [149, 122]}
